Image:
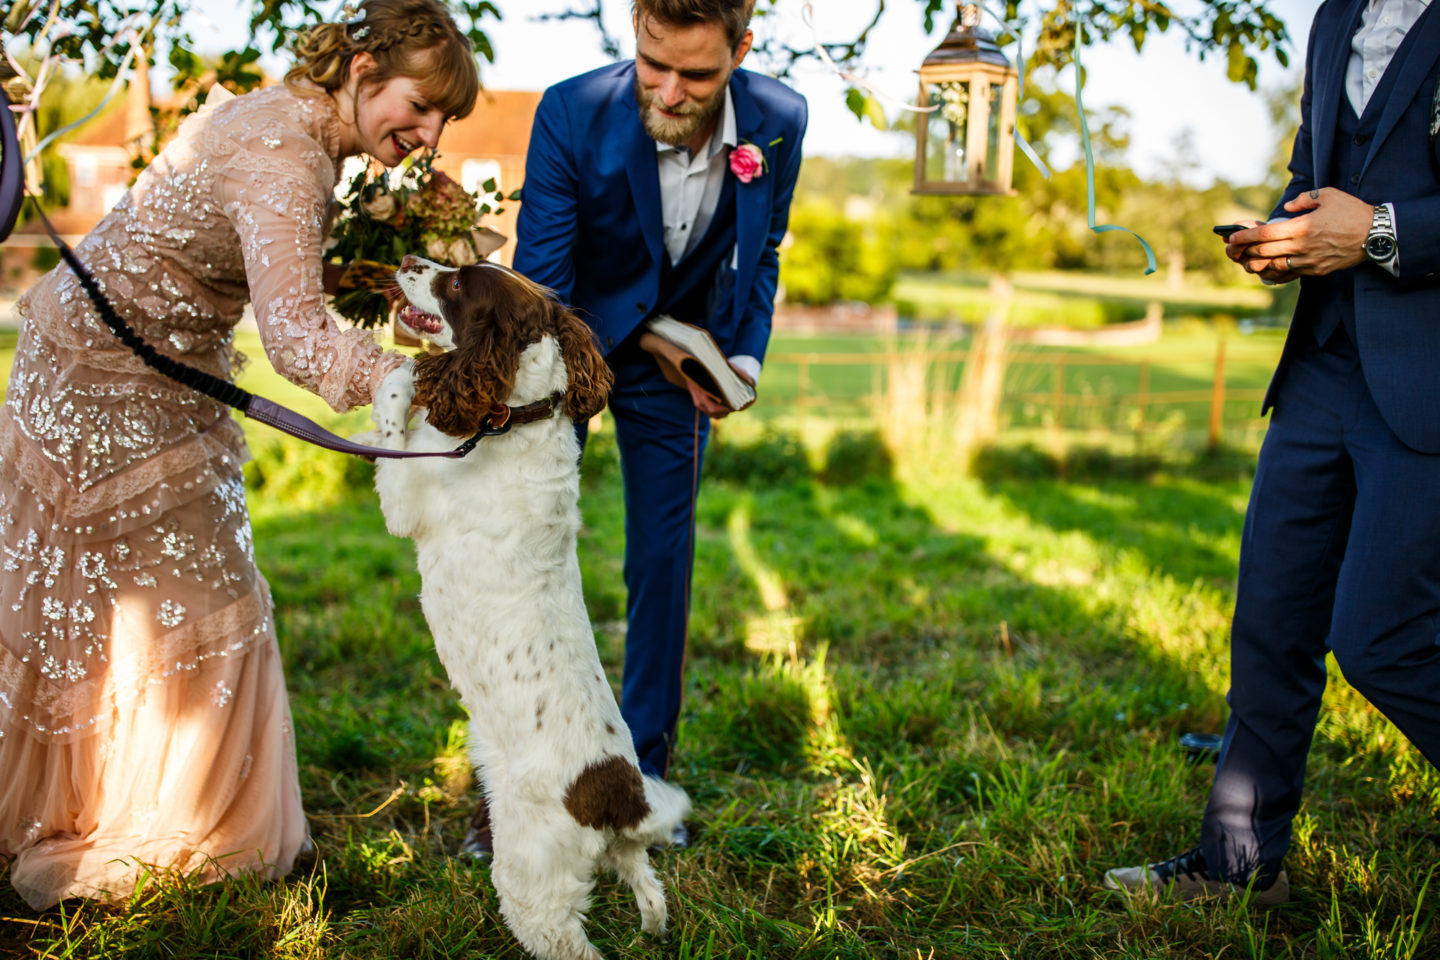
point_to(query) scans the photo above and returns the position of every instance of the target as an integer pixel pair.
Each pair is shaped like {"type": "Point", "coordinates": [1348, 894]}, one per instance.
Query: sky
{"type": "Point", "coordinates": [1166, 90]}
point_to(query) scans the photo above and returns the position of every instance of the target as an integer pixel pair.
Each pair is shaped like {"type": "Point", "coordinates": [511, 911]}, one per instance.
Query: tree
{"type": "Point", "coordinates": [1240, 30]}
{"type": "Point", "coordinates": [102, 32]}
{"type": "Point", "coordinates": [105, 35]}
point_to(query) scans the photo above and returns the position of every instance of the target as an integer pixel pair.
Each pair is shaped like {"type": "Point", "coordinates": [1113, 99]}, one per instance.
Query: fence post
{"type": "Point", "coordinates": [1058, 387]}
{"type": "Point", "coordinates": [1217, 395]}
{"type": "Point", "coordinates": [1142, 403]}
{"type": "Point", "coordinates": [804, 387]}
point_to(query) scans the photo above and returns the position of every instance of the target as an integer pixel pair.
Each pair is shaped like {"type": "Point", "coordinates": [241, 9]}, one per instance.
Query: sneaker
{"type": "Point", "coordinates": [1187, 878]}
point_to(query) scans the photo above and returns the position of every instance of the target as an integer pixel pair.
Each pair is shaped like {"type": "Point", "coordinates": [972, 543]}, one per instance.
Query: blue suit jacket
{"type": "Point", "coordinates": [1397, 319]}
{"type": "Point", "coordinates": [590, 224]}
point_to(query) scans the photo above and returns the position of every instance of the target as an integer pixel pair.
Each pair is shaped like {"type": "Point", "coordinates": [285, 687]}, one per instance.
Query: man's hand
{"type": "Point", "coordinates": [713, 410]}
{"type": "Point", "coordinates": [1326, 235]}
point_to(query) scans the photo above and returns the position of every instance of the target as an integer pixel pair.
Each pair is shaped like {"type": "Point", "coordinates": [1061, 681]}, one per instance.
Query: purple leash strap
{"type": "Point", "coordinates": [288, 421]}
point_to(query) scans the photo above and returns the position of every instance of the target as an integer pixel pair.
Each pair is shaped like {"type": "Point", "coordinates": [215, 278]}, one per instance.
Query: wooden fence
{"type": "Point", "coordinates": [1057, 390]}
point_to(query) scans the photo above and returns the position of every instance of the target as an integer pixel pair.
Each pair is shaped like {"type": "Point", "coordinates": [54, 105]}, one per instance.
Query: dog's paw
{"type": "Point", "coordinates": [391, 410]}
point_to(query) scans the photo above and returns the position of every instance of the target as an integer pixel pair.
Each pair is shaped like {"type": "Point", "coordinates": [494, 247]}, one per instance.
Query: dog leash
{"type": "Point", "coordinates": [12, 195]}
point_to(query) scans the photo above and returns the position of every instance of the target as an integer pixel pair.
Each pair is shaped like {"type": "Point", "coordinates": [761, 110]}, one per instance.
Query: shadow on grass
{"type": "Point", "coordinates": [922, 683]}
{"type": "Point", "coordinates": [920, 721]}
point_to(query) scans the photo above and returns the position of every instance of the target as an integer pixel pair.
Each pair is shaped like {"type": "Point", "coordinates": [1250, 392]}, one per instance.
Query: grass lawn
{"type": "Point", "coordinates": [924, 713]}
{"type": "Point", "coordinates": [1073, 299]}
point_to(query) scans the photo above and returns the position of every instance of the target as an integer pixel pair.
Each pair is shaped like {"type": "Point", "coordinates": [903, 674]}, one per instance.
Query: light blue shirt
{"type": "Point", "coordinates": [690, 186]}
{"type": "Point", "coordinates": [1383, 26]}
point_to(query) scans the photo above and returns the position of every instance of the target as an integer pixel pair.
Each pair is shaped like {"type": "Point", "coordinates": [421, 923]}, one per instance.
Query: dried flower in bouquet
{"type": "Point", "coordinates": [385, 215]}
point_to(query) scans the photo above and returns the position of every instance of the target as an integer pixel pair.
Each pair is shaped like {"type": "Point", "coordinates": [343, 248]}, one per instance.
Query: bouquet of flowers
{"type": "Point", "coordinates": [387, 214]}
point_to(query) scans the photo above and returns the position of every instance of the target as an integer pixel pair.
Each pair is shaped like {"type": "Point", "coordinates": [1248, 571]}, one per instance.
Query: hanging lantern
{"type": "Point", "coordinates": [966, 145]}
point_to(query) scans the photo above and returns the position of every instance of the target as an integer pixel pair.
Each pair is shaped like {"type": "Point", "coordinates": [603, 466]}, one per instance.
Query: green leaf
{"type": "Point", "coordinates": [488, 186]}
{"type": "Point", "coordinates": [866, 107]}
{"type": "Point", "coordinates": [855, 101]}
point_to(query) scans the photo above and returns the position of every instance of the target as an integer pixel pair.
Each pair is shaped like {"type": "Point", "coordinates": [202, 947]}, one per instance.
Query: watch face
{"type": "Point", "coordinates": [1380, 248]}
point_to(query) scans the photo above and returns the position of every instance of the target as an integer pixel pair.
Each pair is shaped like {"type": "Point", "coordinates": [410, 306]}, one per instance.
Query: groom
{"type": "Point", "coordinates": [1341, 548]}
{"type": "Point", "coordinates": [641, 198]}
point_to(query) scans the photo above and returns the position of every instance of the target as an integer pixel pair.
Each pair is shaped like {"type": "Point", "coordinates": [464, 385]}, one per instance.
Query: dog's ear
{"type": "Point", "coordinates": [460, 387]}
{"type": "Point", "coordinates": [588, 376]}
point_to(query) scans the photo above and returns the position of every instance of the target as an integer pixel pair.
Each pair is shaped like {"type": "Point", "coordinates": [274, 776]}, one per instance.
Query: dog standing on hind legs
{"type": "Point", "coordinates": [495, 540]}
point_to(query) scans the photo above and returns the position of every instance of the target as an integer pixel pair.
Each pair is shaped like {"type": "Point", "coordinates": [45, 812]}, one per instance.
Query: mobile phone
{"type": "Point", "coordinates": [1225, 229]}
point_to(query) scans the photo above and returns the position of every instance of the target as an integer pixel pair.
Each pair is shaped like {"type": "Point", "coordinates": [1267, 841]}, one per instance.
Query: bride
{"type": "Point", "coordinates": [143, 714]}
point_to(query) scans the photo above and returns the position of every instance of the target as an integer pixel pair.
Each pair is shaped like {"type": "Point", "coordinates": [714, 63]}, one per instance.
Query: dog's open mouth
{"type": "Point", "coordinates": [420, 321]}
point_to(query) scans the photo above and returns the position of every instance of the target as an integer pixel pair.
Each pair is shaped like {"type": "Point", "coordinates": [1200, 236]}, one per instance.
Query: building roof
{"type": "Point", "coordinates": [498, 126]}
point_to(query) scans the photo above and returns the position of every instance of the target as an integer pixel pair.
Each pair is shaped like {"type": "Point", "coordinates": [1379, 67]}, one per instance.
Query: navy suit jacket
{"type": "Point", "coordinates": [1397, 319]}
{"type": "Point", "coordinates": [590, 224]}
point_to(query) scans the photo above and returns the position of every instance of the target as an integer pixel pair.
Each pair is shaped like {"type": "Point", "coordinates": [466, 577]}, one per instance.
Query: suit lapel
{"type": "Point", "coordinates": [1329, 79]}
{"type": "Point", "coordinates": [753, 199]}
{"type": "Point", "coordinates": [1412, 62]}
{"type": "Point", "coordinates": [643, 171]}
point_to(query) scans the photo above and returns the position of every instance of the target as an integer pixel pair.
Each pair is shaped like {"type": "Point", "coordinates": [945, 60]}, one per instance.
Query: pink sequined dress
{"type": "Point", "coordinates": [143, 714]}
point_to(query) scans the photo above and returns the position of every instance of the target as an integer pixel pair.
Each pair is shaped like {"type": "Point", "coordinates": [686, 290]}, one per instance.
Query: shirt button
{"type": "Point", "coordinates": [1372, 74]}
{"type": "Point", "coordinates": [1354, 178]}
{"type": "Point", "coordinates": [1360, 140]}
{"type": "Point", "coordinates": [1386, 21]}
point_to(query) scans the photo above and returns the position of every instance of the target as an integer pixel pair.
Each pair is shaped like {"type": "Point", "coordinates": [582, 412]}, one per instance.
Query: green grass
{"type": "Point", "coordinates": [1099, 384]}
{"type": "Point", "coordinates": [924, 713]}
{"type": "Point", "coordinates": [1072, 299]}
{"type": "Point", "coordinates": [925, 710]}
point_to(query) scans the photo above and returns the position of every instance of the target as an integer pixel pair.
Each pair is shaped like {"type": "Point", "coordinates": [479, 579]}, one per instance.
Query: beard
{"type": "Point", "coordinates": [677, 131]}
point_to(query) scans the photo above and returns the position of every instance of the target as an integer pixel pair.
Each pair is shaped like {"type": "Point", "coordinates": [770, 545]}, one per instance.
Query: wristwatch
{"type": "Point", "coordinates": [1380, 245]}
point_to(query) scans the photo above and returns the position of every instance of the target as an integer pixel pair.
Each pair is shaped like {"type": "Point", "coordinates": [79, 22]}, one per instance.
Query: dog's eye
{"type": "Point", "coordinates": [455, 282]}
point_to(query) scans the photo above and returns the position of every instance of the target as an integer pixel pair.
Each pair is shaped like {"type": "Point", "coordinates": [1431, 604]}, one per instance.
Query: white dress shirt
{"type": "Point", "coordinates": [1383, 26]}
{"type": "Point", "coordinates": [690, 186]}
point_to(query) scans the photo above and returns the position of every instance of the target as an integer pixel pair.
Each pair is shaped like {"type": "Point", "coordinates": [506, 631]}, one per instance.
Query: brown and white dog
{"type": "Point", "coordinates": [495, 540]}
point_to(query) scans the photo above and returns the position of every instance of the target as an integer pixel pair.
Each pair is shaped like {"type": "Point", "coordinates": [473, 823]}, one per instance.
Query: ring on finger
{"type": "Point", "coordinates": [1288, 267]}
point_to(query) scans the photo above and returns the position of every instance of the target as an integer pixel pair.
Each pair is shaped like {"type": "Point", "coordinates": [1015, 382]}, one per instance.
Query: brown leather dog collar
{"type": "Point", "coordinates": [502, 417]}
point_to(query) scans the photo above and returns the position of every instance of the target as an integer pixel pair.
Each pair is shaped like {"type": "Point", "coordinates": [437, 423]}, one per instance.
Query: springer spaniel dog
{"type": "Point", "coordinates": [495, 537]}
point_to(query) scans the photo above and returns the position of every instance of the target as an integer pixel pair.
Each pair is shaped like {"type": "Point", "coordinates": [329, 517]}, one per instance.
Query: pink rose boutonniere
{"type": "Point", "coordinates": [747, 161]}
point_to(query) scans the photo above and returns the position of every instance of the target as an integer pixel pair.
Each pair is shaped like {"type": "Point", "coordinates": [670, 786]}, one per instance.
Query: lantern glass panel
{"type": "Point", "coordinates": [995, 133]}
{"type": "Point", "coordinates": [946, 131]}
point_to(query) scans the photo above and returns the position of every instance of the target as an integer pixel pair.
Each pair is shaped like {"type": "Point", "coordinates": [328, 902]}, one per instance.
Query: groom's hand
{"type": "Point", "coordinates": [709, 407]}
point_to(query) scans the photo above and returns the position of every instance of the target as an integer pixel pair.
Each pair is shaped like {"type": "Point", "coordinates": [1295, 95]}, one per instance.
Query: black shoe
{"type": "Point", "coordinates": [1187, 877]}
{"type": "Point", "coordinates": [679, 840]}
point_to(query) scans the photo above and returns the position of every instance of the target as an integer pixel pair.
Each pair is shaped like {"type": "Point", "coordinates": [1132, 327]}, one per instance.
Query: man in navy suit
{"type": "Point", "coordinates": [1341, 546]}
{"type": "Point", "coordinates": [632, 208]}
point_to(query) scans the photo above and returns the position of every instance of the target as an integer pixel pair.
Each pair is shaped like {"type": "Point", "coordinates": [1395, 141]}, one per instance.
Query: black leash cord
{"type": "Point", "coordinates": [212, 386]}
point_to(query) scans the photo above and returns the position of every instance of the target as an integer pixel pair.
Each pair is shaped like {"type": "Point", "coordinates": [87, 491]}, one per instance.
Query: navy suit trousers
{"type": "Point", "coordinates": [1341, 551]}
{"type": "Point", "coordinates": [662, 447]}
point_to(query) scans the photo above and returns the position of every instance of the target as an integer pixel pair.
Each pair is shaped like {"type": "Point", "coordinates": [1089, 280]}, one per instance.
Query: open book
{"type": "Point", "coordinates": [687, 354]}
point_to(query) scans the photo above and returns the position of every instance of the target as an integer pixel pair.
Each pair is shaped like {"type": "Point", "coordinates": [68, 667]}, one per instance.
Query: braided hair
{"type": "Point", "coordinates": [407, 38]}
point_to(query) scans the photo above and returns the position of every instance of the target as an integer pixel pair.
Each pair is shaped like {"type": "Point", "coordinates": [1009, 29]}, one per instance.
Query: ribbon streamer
{"type": "Point", "coordinates": [1020, 141]}
{"type": "Point", "coordinates": [1090, 159]}
{"type": "Point", "coordinates": [121, 76]}
{"type": "Point", "coordinates": [807, 13]}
